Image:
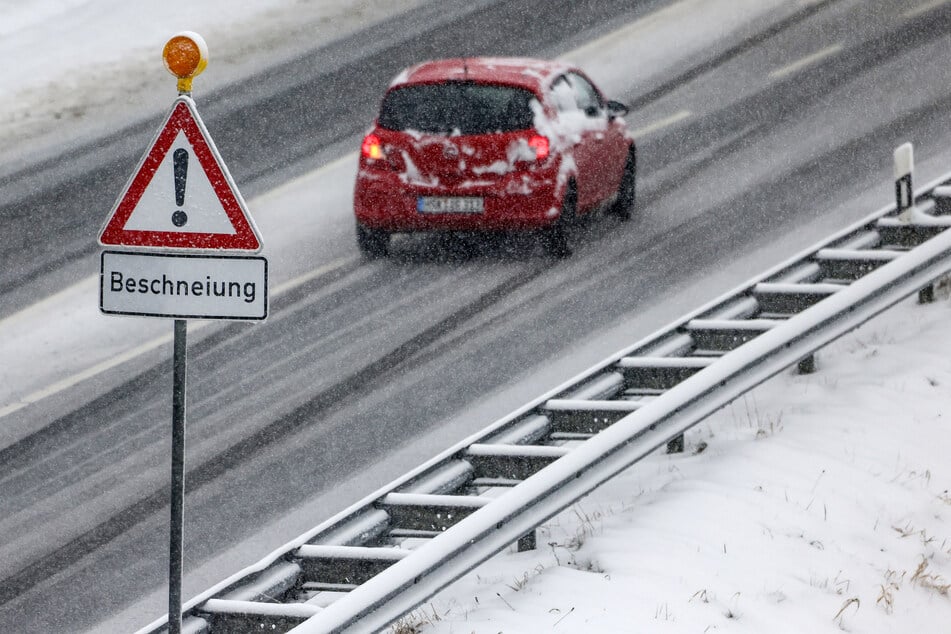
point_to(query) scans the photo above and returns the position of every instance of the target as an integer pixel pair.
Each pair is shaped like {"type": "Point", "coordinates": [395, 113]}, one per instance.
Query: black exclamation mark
{"type": "Point", "coordinates": [180, 166]}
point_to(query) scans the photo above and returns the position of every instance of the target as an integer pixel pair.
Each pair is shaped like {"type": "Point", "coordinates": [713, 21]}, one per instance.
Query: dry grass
{"type": "Point", "coordinates": [922, 577]}
{"type": "Point", "coordinates": [930, 581]}
{"type": "Point", "coordinates": [520, 582]}
{"type": "Point", "coordinates": [414, 622]}
{"type": "Point", "coordinates": [841, 613]}
{"type": "Point", "coordinates": [887, 590]}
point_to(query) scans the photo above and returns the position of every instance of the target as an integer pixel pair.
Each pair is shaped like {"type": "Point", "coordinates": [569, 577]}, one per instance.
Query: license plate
{"type": "Point", "coordinates": [450, 204]}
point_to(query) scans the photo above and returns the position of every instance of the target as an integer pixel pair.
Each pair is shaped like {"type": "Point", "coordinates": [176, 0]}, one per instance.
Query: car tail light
{"type": "Point", "coordinates": [371, 148]}
{"type": "Point", "coordinates": [540, 144]}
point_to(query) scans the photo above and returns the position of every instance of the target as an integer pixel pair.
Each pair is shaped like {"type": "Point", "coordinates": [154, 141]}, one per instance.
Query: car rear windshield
{"type": "Point", "coordinates": [457, 107]}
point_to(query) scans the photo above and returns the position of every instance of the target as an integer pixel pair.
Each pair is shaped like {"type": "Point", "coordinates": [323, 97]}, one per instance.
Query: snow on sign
{"type": "Point", "coordinates": [181, 196]}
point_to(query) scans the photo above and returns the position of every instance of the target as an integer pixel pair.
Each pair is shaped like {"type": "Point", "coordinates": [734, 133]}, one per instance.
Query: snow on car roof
{"type": "Point", "coordinates": [523, 72]}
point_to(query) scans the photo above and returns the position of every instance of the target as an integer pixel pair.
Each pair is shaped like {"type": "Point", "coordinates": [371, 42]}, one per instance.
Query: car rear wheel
{"type": "Point", "coordinates": [373, 243]}
{"type": "Point", "coordinates": [624, 203]}
{"type": "Point", "coordinates": [555, 238]}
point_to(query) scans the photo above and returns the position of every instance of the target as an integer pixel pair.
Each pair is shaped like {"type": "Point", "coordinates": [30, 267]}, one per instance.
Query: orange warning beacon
{"type": "Point", "coordinates": [186, 56]}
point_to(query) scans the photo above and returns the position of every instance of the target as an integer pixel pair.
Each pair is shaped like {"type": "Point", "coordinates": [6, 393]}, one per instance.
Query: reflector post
{"type": "Point", "coordinates": [904, 168]}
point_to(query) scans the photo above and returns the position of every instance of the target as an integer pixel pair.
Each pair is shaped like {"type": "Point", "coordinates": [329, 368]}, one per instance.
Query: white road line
{"type": "Point", "coordinates": [662, 123]}
{"type": "Point", "coordinates": [70, 381]}
{"type": "Point", "coordinates": [337, 162]}
{"type": "Point", "coordinates": [47, 302]}
{"type": "Point", "coordinates": [923, 8]}
{"type": "Point", "coordinates": [121, 358]}
{"type": "Point", "coordinates": [300, 280]}
{"type": "Point", "coordinates": [808, 60]}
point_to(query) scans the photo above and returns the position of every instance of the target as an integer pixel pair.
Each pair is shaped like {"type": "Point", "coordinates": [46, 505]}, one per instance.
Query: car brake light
{"type": "Point", "coordinates": [540, 144]}
{"type": "Point", "coordinates": [371, 148]}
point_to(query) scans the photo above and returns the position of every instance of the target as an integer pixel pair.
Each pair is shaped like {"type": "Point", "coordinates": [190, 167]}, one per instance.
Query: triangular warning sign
{"type": "Point", "coordinates": [181, 196]}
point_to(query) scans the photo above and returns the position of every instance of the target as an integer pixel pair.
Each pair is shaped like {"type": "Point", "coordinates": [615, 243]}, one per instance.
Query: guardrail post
{"type": "Point", "coordinates": [676, 445]}
{"type": "Point", "coordinates": [528, 541]}
{"type": "Point", "coordinates": [807, 365]}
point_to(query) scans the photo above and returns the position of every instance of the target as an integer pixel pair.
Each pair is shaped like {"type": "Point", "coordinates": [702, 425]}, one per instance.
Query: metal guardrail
{"type": "Point", "coordinates": [371, 564]}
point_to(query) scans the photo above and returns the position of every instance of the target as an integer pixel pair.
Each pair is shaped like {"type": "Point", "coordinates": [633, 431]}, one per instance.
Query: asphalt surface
{"type": "Point", "coordinates": [356, 364]}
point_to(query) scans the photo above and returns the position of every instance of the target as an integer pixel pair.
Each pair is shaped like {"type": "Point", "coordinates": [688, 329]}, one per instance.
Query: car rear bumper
{"type": "Point", "coordinates": [518, 202]}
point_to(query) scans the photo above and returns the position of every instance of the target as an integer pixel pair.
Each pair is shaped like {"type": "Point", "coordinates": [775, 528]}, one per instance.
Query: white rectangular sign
{"type": "Point", "coordinates": [183, 286]}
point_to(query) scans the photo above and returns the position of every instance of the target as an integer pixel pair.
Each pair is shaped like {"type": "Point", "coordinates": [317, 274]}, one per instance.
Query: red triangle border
{"type": "Point", "coordinates": [182, 118]}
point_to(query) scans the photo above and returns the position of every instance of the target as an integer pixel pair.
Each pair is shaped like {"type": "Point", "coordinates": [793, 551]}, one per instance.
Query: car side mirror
{"type": "Point", "coordinates": [617, 109]}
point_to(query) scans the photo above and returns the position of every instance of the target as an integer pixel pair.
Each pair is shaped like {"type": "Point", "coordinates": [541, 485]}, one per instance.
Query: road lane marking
{"type": "Point", "coordinates": [102, 366]}
{"type": "Point", "coordinates": [661, 123]}
{"type": "Point", "coordinates": [808, 60]}
{"type": "Point", "coordinates": [923, 8]}
{"type": "Point", "coordinates": [295, 182]}
{"type": "Point", "coordinates": [302, 279]}
{"type": "Point", "coordinates": [195, 324]}
{"type": "Point", "coordinates": [49, 302]}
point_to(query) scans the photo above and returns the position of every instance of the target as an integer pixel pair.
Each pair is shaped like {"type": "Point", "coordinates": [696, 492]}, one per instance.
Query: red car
{"type": "Point", "coordinates": [492, 144]}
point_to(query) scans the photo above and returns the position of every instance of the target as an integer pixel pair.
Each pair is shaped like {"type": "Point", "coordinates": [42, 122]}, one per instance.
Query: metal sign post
{"type": "Point", "coordinates": [185, 57]}
{"type": "Point", "coordinates": [176, 533]}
